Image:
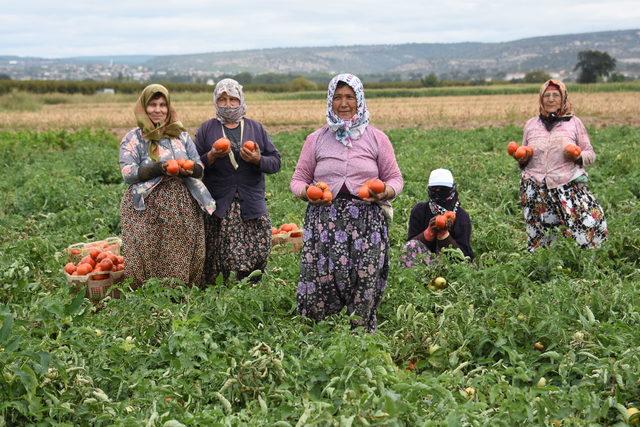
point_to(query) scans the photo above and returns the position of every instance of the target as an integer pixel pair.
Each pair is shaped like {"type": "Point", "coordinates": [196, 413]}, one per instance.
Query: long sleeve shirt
{"type": "Point", "coordinates": [460, 232]}
{"type": "Point", "coordinates": [134, 152]}
{"type": "Point", "coordinates": [223, 180]}
{"type": "Point", "coordinates": [324, 158]}
{"type": "Point", "coordinates": [549, 165]}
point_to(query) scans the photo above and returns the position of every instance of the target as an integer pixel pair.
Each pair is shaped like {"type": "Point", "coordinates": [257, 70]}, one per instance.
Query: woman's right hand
{"type": "Point", "coordinates": [318, 202]}
{"type": "Point", "coordinates": [214, 154]}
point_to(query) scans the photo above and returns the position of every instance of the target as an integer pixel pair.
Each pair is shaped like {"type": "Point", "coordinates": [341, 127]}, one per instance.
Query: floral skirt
{"type": "Point", "coordinates": [344, 261]}
{"type": "Point", "coordinates": [571, 205]}
{"type": "Point", "coordinates": [415, 253]}
{"type": "Point", "coordinates": [166, 239]}
{"type": "Point", "coordinates": [236, 245]}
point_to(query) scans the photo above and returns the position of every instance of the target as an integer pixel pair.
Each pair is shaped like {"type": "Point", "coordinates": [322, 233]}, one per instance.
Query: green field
{"type": "Point", "coordinates": [238, 354]}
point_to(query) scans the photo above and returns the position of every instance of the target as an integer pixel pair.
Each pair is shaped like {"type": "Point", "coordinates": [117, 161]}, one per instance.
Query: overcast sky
{"type": "Point", "coordinates": [56, 29]}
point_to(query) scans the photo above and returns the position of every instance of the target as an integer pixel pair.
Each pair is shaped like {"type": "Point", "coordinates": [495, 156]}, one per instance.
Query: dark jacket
{"type": "Point", "coordinates": [248, 180]}
{"type": "Point", "coordinates": [461, 232]}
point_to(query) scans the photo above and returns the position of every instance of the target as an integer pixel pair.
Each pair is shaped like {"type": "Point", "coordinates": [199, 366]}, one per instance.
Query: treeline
{"type": "Point", "coordinates": [301, 88]}
{"type": "Point", "coordinates": [91, 87]}
{"type": "Point", "coordinates": [88, 87]}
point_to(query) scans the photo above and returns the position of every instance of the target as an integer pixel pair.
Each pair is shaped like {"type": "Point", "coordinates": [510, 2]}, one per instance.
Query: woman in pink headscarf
{"type": "Point", "coordinates": [345, 257]}
{"type": "Point", "coordinates": [553, 187]}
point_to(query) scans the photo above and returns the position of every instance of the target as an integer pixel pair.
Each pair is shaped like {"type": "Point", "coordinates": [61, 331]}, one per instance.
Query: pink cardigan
{"type": "Point", "coordinates": [549, 164]}
{"type": "Point", "coordinates": [324, 158]}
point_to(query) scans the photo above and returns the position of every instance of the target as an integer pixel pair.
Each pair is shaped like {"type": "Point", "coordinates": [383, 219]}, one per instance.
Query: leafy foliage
{"type": "Point", "coordinates": [239, 354]}
{"type": "Point", "coordinates": [593, 64]}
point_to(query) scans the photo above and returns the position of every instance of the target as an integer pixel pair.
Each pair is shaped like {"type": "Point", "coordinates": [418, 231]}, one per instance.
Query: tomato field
{"type": "Point", "coordinates": [238, 353]}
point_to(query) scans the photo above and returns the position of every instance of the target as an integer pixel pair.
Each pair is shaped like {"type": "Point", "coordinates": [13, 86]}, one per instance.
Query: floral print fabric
{"type": "Point", "coordinates": [571, 205]}
{"type": "Point", "coordinates": [415, 253]}
{"type": "Point", "coordinates": [134, 152]}
{"type": "Point", "coordinates": [344, 261]}
{"type": "Point", "coordinates": [237, 245]}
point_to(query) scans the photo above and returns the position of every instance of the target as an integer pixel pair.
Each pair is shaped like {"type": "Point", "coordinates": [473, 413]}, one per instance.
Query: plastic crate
{"type": "Point", "coordinates": [96, 288]}
{"type": "Point", "coordinates": [288, 242]}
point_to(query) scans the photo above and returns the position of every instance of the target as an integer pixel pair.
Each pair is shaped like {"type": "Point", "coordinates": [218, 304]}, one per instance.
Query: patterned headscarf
{"type": "Point", "coordinates": [171, 128]}
{"type": "Point", "coordinates": [229, 114]}
{"type": "Point", "coordinates": [349, 130]}
{"type": "Point", "coordinates": [566, 109]}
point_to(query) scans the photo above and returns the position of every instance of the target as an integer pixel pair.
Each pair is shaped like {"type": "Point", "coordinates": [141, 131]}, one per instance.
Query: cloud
{"type": "Point", "coordinates": [57, 29]}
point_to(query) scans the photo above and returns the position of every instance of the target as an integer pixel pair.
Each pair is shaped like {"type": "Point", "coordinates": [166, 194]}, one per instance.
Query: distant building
{"type": "Point", "coordinates": [210, 82]}
{"type": "Point", "coordinates": [107, 90]}
{"type": "Point", "coordinates": [514, 76]}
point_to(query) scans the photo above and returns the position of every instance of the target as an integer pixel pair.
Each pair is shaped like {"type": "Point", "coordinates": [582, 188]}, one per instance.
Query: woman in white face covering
{"type": "Point", "coordinates": [238, 234]}
{"type": "Point", "coordinates": [425, 237]}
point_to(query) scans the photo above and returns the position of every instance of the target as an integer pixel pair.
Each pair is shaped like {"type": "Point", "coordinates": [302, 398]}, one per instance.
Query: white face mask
{"type": "Point", "coordinates": [230, 114]}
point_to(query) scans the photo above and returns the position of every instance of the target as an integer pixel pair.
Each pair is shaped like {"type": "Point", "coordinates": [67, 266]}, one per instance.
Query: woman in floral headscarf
{"type": "Point", "coordinates": [553, 186]}
{"type": "Point", "coordinates": [162, 210]}
{"type": "Point", "coordinates": [345, 256]}
{"type": "Point", "coordinates": [239, 232]}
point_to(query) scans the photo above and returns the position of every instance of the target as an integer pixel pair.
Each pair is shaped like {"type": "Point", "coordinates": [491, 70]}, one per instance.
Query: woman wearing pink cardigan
{"type": "Point", "coordinates": [345, 256]}
{"type": "Point", "coordinates": [553, 187]}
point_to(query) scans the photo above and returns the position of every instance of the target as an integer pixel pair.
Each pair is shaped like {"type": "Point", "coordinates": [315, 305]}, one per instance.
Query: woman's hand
{"type": "Point", "coordinates": [388, 193]}
{"type": "Point", "coordinates": [319, 202]}
{"type": "Point", "coordinates": [572, 152]}
{"type": "Point", "coordinates": [214, 154]}
{"type": "Point", "coordinates": [250, 156]}
{"type": "Point", "coordinates": [441, 233]}
{"type": "Point", "coordinates": [185, 172]}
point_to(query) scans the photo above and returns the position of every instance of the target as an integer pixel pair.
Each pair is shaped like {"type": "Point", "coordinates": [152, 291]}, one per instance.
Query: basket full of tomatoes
{"type": "Point", "coordinates": [287, 234]}
{"type": "Point", "coordinates": [97, 270]}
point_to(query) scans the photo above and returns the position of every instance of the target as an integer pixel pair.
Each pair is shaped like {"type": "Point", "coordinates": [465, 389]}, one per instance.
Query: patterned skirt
{"type": "Point", "coordinates": [166, 239]}
{"type": "Point", "coordinates": [571, 205]}
{"type": "Point", "coordinates": [344, 261]}
{"type": "Point", "coordinates": [236, 245]}
{"type": "Point", "coordinates": [415, 253]}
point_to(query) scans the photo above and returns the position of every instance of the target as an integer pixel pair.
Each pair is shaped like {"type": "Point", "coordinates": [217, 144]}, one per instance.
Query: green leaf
{"type": "Point", "coordinates": [7, 323]}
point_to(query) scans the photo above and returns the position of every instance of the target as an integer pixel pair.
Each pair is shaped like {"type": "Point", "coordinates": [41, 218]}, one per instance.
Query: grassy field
{"type": "Point", "coordinates": [239, 354]}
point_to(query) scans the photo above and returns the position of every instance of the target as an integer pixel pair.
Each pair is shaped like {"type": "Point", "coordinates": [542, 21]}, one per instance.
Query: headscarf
{"type": "Point", "coordinates": [566, 109]}
{"type": "Point", "coordinates": [229, 114]}
{"type": "Point", "coordinates": [443, 193]}
{"type": "Point", "coordinates": [350, 130]}
{"type": "Point", "coordinates": [171, 128]}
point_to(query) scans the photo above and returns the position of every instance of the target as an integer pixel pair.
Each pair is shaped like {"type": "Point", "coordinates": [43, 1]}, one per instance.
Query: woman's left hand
{"type": "Point", "coordinates": [185, 172]}
{"type": "Point", "coordinates": [387, 194]}
{"type": "Point", "coordinates": [249, 156]}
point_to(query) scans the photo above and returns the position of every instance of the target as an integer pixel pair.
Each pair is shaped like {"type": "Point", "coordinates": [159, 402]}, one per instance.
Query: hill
{"type": "Point", "coordinates": [556, 54]}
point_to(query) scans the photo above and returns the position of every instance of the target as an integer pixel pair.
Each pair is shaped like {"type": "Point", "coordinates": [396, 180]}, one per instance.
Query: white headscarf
{"type": "Point", "coordinates": [349, 130]}
{"type": "Point", "coordinates": [229, 114]}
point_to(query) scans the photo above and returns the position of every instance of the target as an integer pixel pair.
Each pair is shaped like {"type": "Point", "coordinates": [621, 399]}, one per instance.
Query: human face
{"type": "Point", "coordinates": [344, 103]}
{"type": "Point", "coordinates": [157, 110]}
{"type": "Point", "coordinates": [551, 100]}
{"type": "Point", "coordinates": [226, 101]}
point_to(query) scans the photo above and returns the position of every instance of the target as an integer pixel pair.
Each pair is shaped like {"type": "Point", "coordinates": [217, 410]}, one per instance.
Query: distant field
{"type": "Point", "coordinates": [114, 112]}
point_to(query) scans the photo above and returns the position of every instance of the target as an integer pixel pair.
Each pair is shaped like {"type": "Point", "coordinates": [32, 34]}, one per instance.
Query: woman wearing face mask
{"type": "Point", "coordinates": [553, 186]}
{"type": "Point", "coordinates": [162, 210]}
{"type": "Point", "coordinates": [424, 238]}
{"type": "Point", "coordinates": [345, 257]}
{"type": "Point", "coordinates": [239, 233]}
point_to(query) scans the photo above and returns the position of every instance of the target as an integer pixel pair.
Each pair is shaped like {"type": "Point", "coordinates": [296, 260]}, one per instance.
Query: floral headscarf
{"type": "Point", "coordinates": [566, 109]}
{"type": "Point", "coordinates": [171, 128]}
{"type": "Point", "coordinates": [349, 130]}
{"type": "Point", "coordinates": [229, 114]}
